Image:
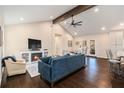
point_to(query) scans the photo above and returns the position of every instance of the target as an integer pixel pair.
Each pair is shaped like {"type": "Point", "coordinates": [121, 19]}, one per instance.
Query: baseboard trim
{"type": "Point", "coordinates": [102, 58]}
{"type": "Point", "coordinates": [96, 57]}
{"type": "Point", "coordinates": [91, 56]}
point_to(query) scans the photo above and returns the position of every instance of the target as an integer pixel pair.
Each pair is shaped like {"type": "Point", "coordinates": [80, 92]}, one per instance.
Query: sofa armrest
{"type": "Point", "coordinates": [15, 65]}
{"type": "Point", "coordinates": [20, 60]}
{"type": "Point", "coordinates": [45, 70]}
{"type": "Point", "coordinates": [14, 68]}
{"type": "Point", "coordinates": [18, 63]}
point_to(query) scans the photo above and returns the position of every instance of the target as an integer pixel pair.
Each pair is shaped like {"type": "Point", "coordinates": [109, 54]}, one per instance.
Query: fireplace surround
{"type": "Point", "coordinates": [32, 58]}
{"type": "Point", "coordinates": [36, 57]}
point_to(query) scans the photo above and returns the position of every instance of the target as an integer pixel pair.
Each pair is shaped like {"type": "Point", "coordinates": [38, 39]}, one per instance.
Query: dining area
{"type": "Point", "coordinates": [116, 64]}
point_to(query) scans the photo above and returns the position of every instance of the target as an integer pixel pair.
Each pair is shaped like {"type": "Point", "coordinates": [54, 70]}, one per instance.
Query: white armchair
{"type": "Point", "coordinates": [14, 68]}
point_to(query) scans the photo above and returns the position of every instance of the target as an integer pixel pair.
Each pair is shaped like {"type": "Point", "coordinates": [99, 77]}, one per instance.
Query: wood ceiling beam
{"type": "Point", "coordinates": [78, 9]}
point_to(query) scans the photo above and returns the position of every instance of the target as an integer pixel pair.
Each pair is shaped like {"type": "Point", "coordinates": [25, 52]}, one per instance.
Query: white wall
{"type": "Point", "coordinates": [101, 43]}
{"type": "Point", "coordinates": [61, 40]}
{"type": "Point", "coordinates": [117, 42]}
{"type": "Point", "coordinates": [16, 36]}
{"type": "Point", "coordinates": [1, 48]}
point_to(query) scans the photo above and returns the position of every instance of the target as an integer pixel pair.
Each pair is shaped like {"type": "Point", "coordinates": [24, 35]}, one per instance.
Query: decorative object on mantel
{"type": "Point", "coordinates": [45, 52]}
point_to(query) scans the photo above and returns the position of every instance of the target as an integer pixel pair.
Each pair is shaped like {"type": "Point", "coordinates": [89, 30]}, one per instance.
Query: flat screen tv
{"type": "Point", "coordinates": [34, 44]}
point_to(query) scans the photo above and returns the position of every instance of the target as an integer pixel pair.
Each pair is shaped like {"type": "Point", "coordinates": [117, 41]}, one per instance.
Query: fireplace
{"type": "Point", "coordinates": [35, 57]}
{"type": "Point", "coordinates": [32, 56]}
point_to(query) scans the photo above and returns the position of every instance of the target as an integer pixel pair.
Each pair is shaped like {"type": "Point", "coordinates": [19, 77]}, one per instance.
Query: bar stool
{"type": "Point", "coordinates": [114, 65]}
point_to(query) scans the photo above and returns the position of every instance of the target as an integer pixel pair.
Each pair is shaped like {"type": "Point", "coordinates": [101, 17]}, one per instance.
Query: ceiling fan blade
{"type": "Point", "coordinates": [78, 22]}
{"type": "Point", "coordinates": [77, 25]}
{"type": "Point", "coordinates": [72, 23]}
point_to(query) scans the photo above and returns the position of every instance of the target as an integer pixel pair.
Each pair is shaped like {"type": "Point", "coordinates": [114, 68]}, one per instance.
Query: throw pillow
{"type": "Point", "coordinates": [46, 59]}
{"type": "Point", "coordinates": [67, 55]}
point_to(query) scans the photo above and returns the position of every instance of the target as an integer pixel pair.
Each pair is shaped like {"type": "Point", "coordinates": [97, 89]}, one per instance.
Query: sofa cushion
{"type": "Point", "coordinates": [46, 59]}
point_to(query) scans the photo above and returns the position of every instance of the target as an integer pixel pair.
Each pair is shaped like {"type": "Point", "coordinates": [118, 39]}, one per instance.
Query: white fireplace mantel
{"type": "Point", "coordinates": [27, 55]}
{"type": "Point", "coordinates": [31, 66]}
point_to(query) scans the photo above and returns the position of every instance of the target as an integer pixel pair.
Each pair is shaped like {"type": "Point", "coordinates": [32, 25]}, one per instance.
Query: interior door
{"type": "Point", "coordinates": [58, 45]}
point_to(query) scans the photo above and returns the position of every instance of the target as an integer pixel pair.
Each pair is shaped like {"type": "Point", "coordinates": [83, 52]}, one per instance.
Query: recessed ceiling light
{"type": "Point", "coordinates": [51, 17]}
{"type": "Point", "coordinates": [103, 28]}
{"type": "Point", "coordinates": [75, 33]}
{"type": "Point", "coordinates": [121, 24]}
{"type": "Point", "coordinates": [96, 10]}
{"type": "Point", "coordinates": [21, 18]}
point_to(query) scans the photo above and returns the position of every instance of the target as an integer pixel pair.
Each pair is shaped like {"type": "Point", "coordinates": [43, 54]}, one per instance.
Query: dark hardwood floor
{"type": "Point", "coordinates": [95, 75]}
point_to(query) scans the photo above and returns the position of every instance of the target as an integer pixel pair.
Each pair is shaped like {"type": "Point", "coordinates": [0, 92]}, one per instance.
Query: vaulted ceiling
{"type": "Point", "coordinates": [32, 13]}
{"type": "Point", "coordinates": [99, 19]}
{"type": "Point", "coordinates": [104, 19]}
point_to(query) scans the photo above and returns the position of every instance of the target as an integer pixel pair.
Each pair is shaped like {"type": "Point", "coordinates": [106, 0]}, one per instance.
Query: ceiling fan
{"type": "Point", "coordinates": [74, 24]}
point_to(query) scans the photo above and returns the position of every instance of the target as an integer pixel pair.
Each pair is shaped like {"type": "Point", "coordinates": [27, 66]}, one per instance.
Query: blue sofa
{"type": "Point", "coordinates": [56, 68]}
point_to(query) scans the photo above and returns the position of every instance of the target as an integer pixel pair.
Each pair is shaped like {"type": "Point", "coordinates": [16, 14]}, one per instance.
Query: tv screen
{"type": "Point", "coordinates": [34, 44]}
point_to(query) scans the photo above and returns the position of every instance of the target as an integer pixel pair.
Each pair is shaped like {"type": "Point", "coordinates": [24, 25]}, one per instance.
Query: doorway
{"type": "Point", "coordinates": [58, 44]}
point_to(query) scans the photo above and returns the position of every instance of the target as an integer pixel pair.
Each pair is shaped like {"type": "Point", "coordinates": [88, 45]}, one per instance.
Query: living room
{"type": "Point", "coordinates": [75, 35]}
